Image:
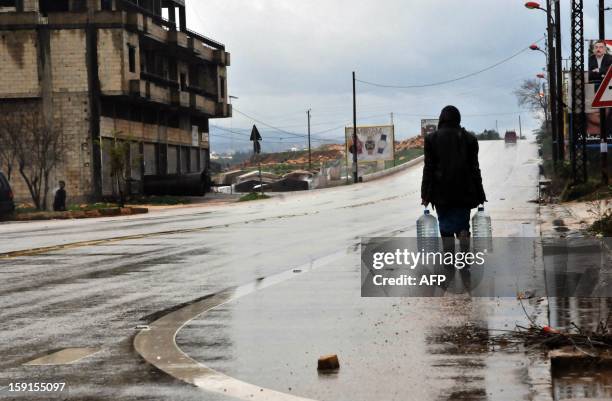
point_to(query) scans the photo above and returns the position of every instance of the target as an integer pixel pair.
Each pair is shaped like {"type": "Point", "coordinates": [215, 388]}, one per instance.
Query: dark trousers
{"type": "Point", "coordinates": [454, 221]}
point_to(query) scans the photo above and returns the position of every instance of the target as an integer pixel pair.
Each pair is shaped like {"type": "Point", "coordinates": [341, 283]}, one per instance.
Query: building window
{"type": "Point", "coordinates": [172, 159]}
{"type": "Point", "coordinates": [52, 6]}
{"type": "Point", "coordinates": [194, 160]}
{"type": "Point", "coordinates": [132, 57]}
{"type": "Point", "coordinates": [135, 161]}
{"type": "Point", "coordinates": [106, 5]}
{"type": "Point", "coordinates": [150, 159]}
{"type": "Point", "coordinates": [8, 3]}
{"type": "Point", "coordinates": [183, 81]}
{"type": "Point", "coordinates": [184, 160]}
{"type": "Point", "coordinates": [79, 5]}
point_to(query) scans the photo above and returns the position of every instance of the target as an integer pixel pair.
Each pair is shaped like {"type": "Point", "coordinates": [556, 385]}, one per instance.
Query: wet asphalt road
{"type": "Point", "coordinates": [95, 296]}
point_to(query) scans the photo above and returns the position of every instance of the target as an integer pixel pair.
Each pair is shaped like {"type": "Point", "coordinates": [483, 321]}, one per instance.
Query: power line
{"type": "Point", "coordinates": [288, 142]}
{"type": "Point", "coordinates": [282, 139]}
{"type": "Point", "coordinates": [466, 115]}
{"type": "Point", "coordinates": [449, 80]}
{"type": "Point", "coordinates": [280, 130]}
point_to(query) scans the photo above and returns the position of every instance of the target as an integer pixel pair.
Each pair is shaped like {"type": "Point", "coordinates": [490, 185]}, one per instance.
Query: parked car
{"type": "Point", "coordinates": [510, 137]}
{"type": "Point", "coordinates": [7, 205]}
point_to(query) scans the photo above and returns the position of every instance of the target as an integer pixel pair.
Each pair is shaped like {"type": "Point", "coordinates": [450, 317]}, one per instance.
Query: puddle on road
{"type": "Point", "coordinates": [63, 357]}
{"type": "Point", "coordinates": [581, 382]}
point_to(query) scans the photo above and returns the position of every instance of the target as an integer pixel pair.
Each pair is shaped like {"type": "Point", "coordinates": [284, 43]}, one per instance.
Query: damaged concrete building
{"type": "Point", "coordinates": [108, 70]}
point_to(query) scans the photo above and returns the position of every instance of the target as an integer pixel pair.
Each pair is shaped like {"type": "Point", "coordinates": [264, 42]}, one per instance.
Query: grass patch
{"type": "Point", "coordinates": [85, 207]}
{"type": "Point", "coordinates": [25, 209]}
{"type": "Point", "coordinates": [404, 156]}
{"type": "Point", "coordinates": [160, 200]}
{"type": "Point", "coordinates": [252, 197]}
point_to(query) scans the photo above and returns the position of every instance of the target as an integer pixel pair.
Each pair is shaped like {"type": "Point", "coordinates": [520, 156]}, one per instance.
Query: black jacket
{"type": "Point", "coordinates": [606, 62]}
{"type": "Point", "coordinates": [451, 175]}
{"type": "Point", "coordinates": [59, 203]}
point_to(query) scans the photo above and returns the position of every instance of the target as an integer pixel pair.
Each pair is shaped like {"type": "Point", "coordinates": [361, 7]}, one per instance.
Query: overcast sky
{"type": "Point", "coordinates": [289, 56]}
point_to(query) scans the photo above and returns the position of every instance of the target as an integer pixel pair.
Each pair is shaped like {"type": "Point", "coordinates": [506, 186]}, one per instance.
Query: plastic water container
{"type": "Point", "coordinates": [482, 232]}
{"type": "Point", "coordinates": [428, 232]}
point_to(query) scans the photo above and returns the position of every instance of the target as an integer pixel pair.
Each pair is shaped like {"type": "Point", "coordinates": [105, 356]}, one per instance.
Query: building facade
{"type": "Point", "coordinates": [115, 70]}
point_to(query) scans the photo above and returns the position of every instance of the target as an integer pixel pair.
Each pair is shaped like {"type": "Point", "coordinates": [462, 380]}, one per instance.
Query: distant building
{"type": "Point", "coordinates": [114, 68]}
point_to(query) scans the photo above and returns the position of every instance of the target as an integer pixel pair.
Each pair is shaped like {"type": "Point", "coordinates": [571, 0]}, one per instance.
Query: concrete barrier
{"type": "Point", "coordinates": [393, 170]}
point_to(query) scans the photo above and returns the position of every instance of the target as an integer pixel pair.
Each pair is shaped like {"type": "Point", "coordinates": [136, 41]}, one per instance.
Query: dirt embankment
{"type": "Point", "coordinates": [327, 153]}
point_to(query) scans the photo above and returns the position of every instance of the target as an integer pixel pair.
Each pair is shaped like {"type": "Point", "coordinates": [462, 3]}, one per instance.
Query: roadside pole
{"type": "Point", "coordinates": [559, 82]}
{"type": "Point", "coordinates": [520, 128]}
{"type": "Point", "coordinates": [355, 167]}
{"type": "Point", "coordinates": [552, 81]}
{"type": "Point", "coordinates": [309, 148]}
{"type": "Point", "coordinates": [255, 138]}
{"type": "Point", "coordinates": [603, 132]}
{"type": "Point", "coordinates": [260, 178]}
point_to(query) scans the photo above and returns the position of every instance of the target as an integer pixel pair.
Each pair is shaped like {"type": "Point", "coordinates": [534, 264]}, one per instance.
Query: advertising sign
{"type": "Point", "coordinates": [429, 126]}
{"type": "Point", "coordinates": [374, 143]}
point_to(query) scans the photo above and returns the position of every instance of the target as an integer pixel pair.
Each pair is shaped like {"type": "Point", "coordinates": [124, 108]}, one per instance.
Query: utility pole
{"type": "Point", "coordinates": [559, 81]}
{"type": "Point", "coordinates": [552, 79]}
{"type": "Point", "coordinates": [355, 168]}
{"type": "Point", "coordinates": [393, 128]}
{"type": "Point", "coordinates": [603, 135]}
{"type": "Point", "coordinates": [520, 128]}
{"type": "Point", "coordinates": [309, 148]}
{"type": "Point", "coordinates": [496, 128]}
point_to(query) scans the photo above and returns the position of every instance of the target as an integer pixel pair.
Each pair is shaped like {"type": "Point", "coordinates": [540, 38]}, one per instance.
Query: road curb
{"type": "Point", "coordinates": [156, 344]}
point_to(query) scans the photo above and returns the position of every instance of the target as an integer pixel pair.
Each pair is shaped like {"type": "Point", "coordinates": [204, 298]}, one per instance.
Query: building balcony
{"type": "Point", "coordinates": [150, 91]}
{"type": "Point", "coordinates": [180, 98]}
{"type": "Point", "coordinates": [169, 93]}
{"type": "Point", "coordinates": [202, 104]}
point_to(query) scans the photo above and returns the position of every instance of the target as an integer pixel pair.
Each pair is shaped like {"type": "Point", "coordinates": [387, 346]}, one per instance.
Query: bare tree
{"type": "Point", "coordinates": [34, 149]}
{"type": "Point", "coordinates": [531, 96]}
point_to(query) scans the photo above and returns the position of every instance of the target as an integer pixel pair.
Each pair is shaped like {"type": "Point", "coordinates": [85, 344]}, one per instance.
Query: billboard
{"type": "Point", "coordinates": [599, 60]}
{"type": "Point", "coordinates": [374, 143]}
{"type": "Point", "coordinates": [429, 126]}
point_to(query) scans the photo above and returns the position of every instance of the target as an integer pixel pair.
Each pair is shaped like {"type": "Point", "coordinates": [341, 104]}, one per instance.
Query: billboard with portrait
{"type": "Point", "coordinates": [429, 126]}
{"type": "Point", "coordinates": [600, 59]}
{"type": "Point", "coordinates": [374, 143]}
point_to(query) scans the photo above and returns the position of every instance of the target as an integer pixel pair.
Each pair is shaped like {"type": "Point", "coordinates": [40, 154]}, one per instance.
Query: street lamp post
{"type": "Point", "coordinates": [552, 76]}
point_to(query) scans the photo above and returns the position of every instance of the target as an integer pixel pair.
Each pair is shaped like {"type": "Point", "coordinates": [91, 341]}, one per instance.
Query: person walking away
{"type": "Point", "coordinates": [452, 181]}
{"type": "Point", "coordinates": [59, 203]}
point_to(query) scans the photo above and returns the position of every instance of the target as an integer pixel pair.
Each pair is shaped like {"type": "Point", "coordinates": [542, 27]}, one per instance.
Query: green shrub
{"type": "Point", "coordinates": [574, 192]}
{"type": "Point", "coordinates": [253, 196]}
